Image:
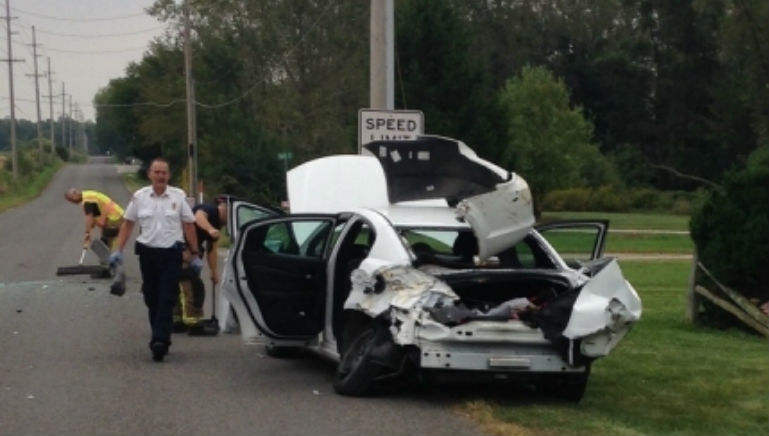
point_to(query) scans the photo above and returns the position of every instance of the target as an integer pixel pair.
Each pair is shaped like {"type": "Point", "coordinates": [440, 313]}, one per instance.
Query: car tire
{"type": "Point", "coordinates": [279, 352]}
{"type": "Point", "coordinates": [569, 387]}
{"type": "Point", "coordinates": [356, 370]}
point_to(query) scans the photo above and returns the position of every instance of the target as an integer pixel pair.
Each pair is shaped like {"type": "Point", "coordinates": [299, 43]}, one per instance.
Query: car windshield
{"type": "Point", "coordinates": [456, 247]}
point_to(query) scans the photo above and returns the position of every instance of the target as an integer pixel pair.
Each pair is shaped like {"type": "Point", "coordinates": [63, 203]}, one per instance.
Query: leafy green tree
{"type": "Point", "coordinates": [594, 46]}
{"type": "Point", "coordinates": [439, 73]}
{"type": "Point", "coordinates": [550, 142]}
{"type": "Point", "coordinates": [684, 37]}
{"type": "Point", "coordinates": [116, 125]}
{"type": "Point", "coordinates": [740, 108]}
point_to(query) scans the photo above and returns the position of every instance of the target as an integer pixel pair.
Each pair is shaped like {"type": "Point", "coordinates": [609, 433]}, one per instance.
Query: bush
{"type": "Point", "coordinates": [731, 231]}
{"type": "Point", "coordinates": [610, 199]}
{"type": "Point", "coordinates": [63, 153]}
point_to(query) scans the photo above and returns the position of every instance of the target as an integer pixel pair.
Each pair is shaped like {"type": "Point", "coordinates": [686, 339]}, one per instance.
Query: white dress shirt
{"type": "Point", "coordinates": [160, 217]}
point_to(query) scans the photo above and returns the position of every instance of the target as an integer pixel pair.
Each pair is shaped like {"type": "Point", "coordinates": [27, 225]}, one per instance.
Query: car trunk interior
{"type": "Point", "coordinates": [500, 296]}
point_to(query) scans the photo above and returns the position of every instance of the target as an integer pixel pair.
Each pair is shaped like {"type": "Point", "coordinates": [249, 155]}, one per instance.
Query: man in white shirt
{"type": "Point", "coordinates": [164, 219]}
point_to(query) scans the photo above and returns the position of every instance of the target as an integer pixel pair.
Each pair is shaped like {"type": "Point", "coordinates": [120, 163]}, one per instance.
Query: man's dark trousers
{"type": "Point", "coordinates": [160, 268]}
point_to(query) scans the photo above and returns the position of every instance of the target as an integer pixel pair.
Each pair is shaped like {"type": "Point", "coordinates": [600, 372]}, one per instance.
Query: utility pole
{"type": "Point", "coordinates": [71, 121]}
{"type": "Point", "coordinates": [50, 105]}
{"type": "Point", "coordinates": [11, 60]}
{"type": "Point", "coordinates": [63, 114]}
{"type": "Point", "coordinates": [381, 43]}
{"type": "Point", "coordinates": [81, 129]}
{"type": "Point", "coordinates": [37, 94]}
{"type": "Point", "coordinates": [192, 150]}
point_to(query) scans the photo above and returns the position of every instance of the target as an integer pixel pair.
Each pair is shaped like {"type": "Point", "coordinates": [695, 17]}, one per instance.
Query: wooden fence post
{"type": "Point", "coordinates": [692, 297]}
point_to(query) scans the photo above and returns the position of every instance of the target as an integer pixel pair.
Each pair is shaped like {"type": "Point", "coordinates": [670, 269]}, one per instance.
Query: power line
{"type": "Point", "coordinates": [80, 20]}
{"type": "Point", "coordinates": [27, 100]}
{"type": "Point", "coordinates": [99, 35]}
{"type": "Point", "coordinates": [145, 103]}
{"type": "Point", "coordinates": [117, 50]}
{"type": "Point", "coordinates": [225, 103]}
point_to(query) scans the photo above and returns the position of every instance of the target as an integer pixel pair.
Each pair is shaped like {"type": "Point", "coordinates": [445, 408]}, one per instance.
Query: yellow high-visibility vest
{"type": "Point", "coordinates": [111, 212]}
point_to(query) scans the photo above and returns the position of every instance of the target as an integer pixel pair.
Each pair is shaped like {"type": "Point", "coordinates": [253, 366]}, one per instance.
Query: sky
{"type": "Point", "coordinates": [89, 42]}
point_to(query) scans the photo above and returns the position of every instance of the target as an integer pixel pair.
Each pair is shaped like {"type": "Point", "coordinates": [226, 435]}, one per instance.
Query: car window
{"type": "Point", "coordinates": [306, 237]}
{"type": "Point", "coordinates": [278, 239]}
{"type": "Point", "coordinates": [428, 240]}
{"type": "Point", "coordinates": [365, 236]}
{"type": "Point", "coordinates": [574, 243]}
{"type": "Point", "coordinates": [448, 244]}
{"type": "Point", "coordinates": [526, 254]}
{"type": "Point", "coordinates": [247, 213]}
{"type": "Point", "coordinates": [312, 237]}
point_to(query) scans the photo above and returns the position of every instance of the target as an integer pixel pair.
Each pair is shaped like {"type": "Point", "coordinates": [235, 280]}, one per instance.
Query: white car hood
{"type": "Point", "coordinates": [336, 184]}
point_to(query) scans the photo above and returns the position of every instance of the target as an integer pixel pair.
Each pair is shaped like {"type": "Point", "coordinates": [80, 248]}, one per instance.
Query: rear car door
{"type": "Point", "coordinates": [240, 212]}
{"type": "Point", "coordinates": [576, 241]}
{"type": "Point", "coordinates": [278, 267]}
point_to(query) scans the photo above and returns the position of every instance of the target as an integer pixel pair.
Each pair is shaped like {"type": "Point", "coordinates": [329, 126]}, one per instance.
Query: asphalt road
{"type": "Point", "coordinates": [74, 359]}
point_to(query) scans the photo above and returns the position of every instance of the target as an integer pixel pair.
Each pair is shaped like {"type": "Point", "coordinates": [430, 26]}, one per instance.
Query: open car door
{"type": "Point", "coordinates": [240, 212]}
{"type": "Point", "coordinates": [579, 242]}
{"type": "Point", "coordinates": [278, 276]}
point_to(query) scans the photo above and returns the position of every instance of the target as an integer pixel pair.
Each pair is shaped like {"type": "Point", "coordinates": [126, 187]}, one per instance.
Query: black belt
{"type": "Point", "coordinates": [140, 248]}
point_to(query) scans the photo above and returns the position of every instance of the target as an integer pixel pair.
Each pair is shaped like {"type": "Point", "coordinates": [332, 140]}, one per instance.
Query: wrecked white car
{"type": "Point", "coordinates": [423, 257]}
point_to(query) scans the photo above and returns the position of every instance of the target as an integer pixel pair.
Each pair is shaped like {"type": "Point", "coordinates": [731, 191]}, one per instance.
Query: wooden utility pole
{"type": "Point", "coordinates": [381, 43]}
{"type": "Point", "coordinates": [71, 126]}
{"type": "Point", "coordinates": [50, 105]}
{"type": "Point", "coordinates": [37, 94]}
{"type": "Point", "coordinates": [11, 60]}
{"type": "Point", "coordinates": [192, 149]}
{"type": "Point", "coordinates": [63, 114]}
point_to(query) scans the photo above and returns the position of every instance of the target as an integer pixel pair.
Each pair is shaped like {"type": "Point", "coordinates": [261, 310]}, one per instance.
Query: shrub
{"type": "Point", "coordinates": [63, 153]}
{"type": "Point", "coordinates": [610, 199]}
{"type": "Point", "coordinates": [731, 231]}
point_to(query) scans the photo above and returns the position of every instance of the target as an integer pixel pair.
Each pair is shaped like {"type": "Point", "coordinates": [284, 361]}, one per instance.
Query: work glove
{"type": "Point", "coordinates": [196, 264]}
{"type": "Point", "coordinates": [116, 258]}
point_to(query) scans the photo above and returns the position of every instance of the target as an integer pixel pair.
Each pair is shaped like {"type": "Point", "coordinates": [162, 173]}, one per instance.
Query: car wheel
{"type": "Point", "coordinates": [279, 352]}
{"type": "Point", "coordinates": [356, 371]}
{"type": "Point", "coordinates": [570, 387]}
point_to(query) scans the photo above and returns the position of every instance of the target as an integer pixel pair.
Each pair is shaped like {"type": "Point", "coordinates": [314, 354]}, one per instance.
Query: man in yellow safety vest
{"type": "Point", "coordinates": [99, 211]}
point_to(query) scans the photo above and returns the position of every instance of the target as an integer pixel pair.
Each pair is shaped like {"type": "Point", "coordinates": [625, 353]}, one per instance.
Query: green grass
{"type": "Point", "coordinates": [132, 181]}
{"type": "Point", "coordinates": [581, 242]}
{"type": "Point", "coordinates": [626, 220]}
{"type": "Point", "coordinates": [29, 188]}
{"type": "Point", "coordinates": [666, 377]}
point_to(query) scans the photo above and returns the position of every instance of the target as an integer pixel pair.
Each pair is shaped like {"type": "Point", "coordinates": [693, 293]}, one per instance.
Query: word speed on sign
{"type": "Point", "coordinates": [377, 125]}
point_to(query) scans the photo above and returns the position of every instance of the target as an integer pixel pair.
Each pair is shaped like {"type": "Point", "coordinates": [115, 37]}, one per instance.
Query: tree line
{"type": "Point", "coordinates": [626, 93]}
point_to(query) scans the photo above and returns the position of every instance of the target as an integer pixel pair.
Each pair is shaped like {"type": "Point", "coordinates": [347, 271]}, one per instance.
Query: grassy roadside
{"type": "Point", "coordinates": [665, 377]}
{"type": "Point", "coordinates": [30, 189]}
{"type": "Point", "coordinates": [636, 242]}
{"type": "Point", "coordinates": [626, 220]}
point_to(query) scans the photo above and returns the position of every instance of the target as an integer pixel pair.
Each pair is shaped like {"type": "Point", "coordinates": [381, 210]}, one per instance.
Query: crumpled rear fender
{"type": "Point", "coordinates": [605, 310]}
{"type": "Point", "coordinates": [376, 289]}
